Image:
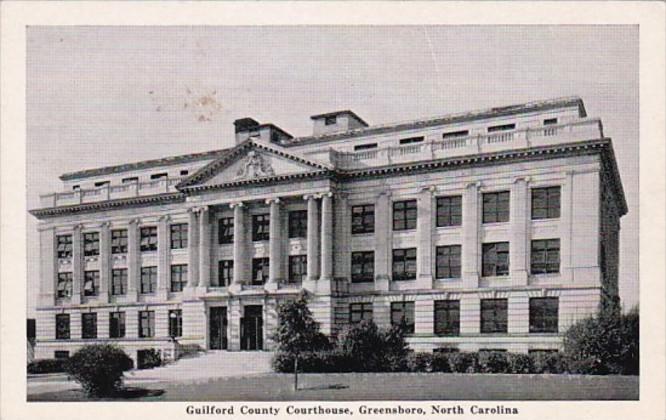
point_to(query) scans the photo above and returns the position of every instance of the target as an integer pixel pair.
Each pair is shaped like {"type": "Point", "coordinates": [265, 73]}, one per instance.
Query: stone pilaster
{"type": "Point", "coordinates": [48, 266]}
{"type": "Point", "coordinates": [566, 227]}
{"type": "Point", "coordinates": [383, 241]}
{"type": "Point", "coordinates": [312, 238]}
{"type": "Point", "coordinates": [192, 249]}
{"type": "Point", "coordinates": [326, 237]}
{"type": "Point", "coordinates": [342, 238]}
{"type": "Point", "coordinates": [133, 260]}
{"type": "Point", "coordinates": [275, 275]}
{"type": "Point", "coordinates": [471, 248]}
{"type": "Point", "coordinates": [204, 247]}
{"type": "Point", "coordinates": [518, 245]}
{"type": "Point", "coordinates": [77, 265]}
{"type": "Point", "coordinates": [424, 233]}
{"type": "Point", "coordinates": [163, 251]}
{"type": "Point", "coordinates": [239, 246]}
{"type": "Point", "coordinates": [104, 262]}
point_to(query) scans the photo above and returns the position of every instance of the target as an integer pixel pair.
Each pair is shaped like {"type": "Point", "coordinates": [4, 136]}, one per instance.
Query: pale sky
{"type": "Point", "coordinates": [99, 96]}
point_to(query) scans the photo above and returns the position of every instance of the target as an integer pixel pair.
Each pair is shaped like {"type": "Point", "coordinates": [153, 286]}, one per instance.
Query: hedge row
{"type": "Point", "coordinates": [47, 366]}
{"type": "Point", "coordinates": [463, 362]}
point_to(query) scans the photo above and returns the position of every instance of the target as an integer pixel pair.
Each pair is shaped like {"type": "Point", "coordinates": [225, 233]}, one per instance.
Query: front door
{"type": "Point", "coordinates": [252, 328]}
{"type": "Point", "coordinates": [218, 328]}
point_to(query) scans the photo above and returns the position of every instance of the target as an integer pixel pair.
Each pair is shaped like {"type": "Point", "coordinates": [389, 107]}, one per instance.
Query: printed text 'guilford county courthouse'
{"type": "Point", "coordinates": [494, 229]}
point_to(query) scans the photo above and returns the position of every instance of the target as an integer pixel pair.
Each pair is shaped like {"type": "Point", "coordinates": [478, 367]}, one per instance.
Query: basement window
{"type": "Point", "coordinates": [159, 176]}
{"type": "Point", "coordinates": [503, 127]}
{"type": "Point", "coordinates": [550, 121]}
{"type": "Point", "coordinates": [411, 140]}
{"type": "Point", "coordinates": [454, 134]}
{"type": "Point", "coordinates": [365, 146]}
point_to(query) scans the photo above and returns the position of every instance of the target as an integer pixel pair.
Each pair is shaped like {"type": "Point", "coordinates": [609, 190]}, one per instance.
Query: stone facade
{"type": "Point", "coordinates": [291, 203]}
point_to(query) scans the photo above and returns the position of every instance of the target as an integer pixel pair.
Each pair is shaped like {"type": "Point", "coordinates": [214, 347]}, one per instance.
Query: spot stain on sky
{"type": "Point", "coordinates": [203, 104]}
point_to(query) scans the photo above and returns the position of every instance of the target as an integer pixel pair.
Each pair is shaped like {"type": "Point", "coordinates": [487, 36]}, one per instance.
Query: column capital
{"type": "Point", "coordinates": [526, 179]}
{"type": "Point", "coordinates": [275, 200]}
{"type": "Point", "coordinates": [237, 204]}
{"type": "Point", "coordinates": [77, 227]}
{"type": "Point", "coordinates": [384, 193]}
{"type": "Point", "coordinates": [475, 184]}
{"type": "Point", "coordinates": [164, 218]}
{"type": "Point", "coordinates": [328, 194]}
{"type": "Point", "coordinates": [428, 188]}
{"type": "Point", "coordinates": [307, 197]}
{"type": "Point", "coordinates": [134, 221]}
{"type": "Point", "coordinates": [105, 224]}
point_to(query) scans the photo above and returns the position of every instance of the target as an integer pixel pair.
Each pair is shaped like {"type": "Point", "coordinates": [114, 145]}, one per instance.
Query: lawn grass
{"type": "Point", "coordinates": [379, 386]}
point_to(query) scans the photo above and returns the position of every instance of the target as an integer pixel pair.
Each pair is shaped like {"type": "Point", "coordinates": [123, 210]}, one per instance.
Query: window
{"type": "Point", "coordinates": [495, 259]}
{"type": "Point", "coordinates": [119, 241]}
{"type": "Point", "coordinates": [404, 264]}
{"type": "Point", "coordinates": [298, 224]}
{"type": "Point", "coordinates": [502, 127]}
{"type": "Point", "coordinates": [366, 146]}
{"type": "Point", "coordinates": [148, 279]}
{"type": "Point", "coordinates": [184, 172]}
{"type": "Point", "coordinates": [363, 267]}
{"type": "Point", "coordinates": [146, 324]}
{"type": "Point", "coordinates": [76, 188]}
{"type": "Point", "coordinates": [225, 231]}
{"type": "Point", "coordinates": [545, 203]}
{"type": "Point", "coordinates": [159, 176]}
{"type": "Point", "coordinates": [454, 134]}
{"type": "Point", "coordinates": [330, 120]}
{"type": "Point", "coordinates": [545, 256]}
{"type": "Point", "coordinates": [496, 207]}
{"type": "Point", "coordinates": [130, 180]}
{"type": "Point", "coordinates": [102, 183]}
{"type": "Point", "coordinates": [62, 327]}
{"type": "Point", "coordinates": [447, 317]}
{"type": "Point", "coordinates": [449, 211]}
{"type": "Point", "coordinates": [64, 286]}
{"type": "Point", "coordinates": [91, 283]}
{"type": "Point", "coordinates": [61, 354]}
{"type": "Point", "coordinates": [403, 312]}
{"type": "Point", "coordinates": [543, 314]}
{"type": "Point", "coordinates": [447, 264]}
{"type": "Point", "coordinates": [89, 325]}
{"type": "Point", "coordinates": [298, 265]}
{"type": "Point", "coordinates": [179, 236]}
{"type": "Point", "coordinates": [225, 273]}
{"type": "Point", "coordinates": [550, 121]}
{"type": "Point", "coordinates": [259, 271]}
{"type": "Point", "coordinates": [411, 140]}
{"type": "Point", "coordinates": [64, 246]}
{"type": "Point", "coordinates": [360, 312]}
{"type": "Point", "coordinates": [117, 324]}
{"type": "Point", "coordinates": [260, 227]}
{"type": "Point", "coordinates": [91, 244]}
{"type": "Point", "coordinates": [118, 281]}
{"type": "Point", "coordinates": [404, 215]}
{"type": "Point", "coordinates": [363, 219]}
{"type": "Point", "coordinates": [178, 277]}
{"type": "Point", "coordinates": [175, 323]}
{"type": "Point", "coordinates": [148, 239]}
{"type": "Point", "coordinates": [493, 316]}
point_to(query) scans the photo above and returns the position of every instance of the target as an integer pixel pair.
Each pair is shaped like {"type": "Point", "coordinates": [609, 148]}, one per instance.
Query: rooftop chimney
{"type": "Point", "coordinates": [335, 122]}
{"type": "Point", "coordinates": [250, 128]}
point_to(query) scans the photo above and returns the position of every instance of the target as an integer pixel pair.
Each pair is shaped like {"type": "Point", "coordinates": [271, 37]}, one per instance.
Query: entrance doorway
{"type": "Point", "coordinates": [218, 328]}
{"type": "Point", "coordinates": [252, 328]}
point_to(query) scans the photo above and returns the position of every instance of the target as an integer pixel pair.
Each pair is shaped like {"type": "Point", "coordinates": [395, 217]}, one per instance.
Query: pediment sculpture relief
{"type": "Point", "coordinates": [254, 166]}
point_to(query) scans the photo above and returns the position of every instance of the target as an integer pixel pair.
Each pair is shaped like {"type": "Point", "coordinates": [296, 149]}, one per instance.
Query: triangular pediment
{"type": "Point", "coordinates": [253, 162]}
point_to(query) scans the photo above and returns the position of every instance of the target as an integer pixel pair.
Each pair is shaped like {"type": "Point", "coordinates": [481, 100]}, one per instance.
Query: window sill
{"type": "Point", "coordinates": [495, 224]}
{"type": "Point", "coordinates": [149, 252]}
{"type": "Point", "coordinates": [449, 227]}
{"type": "Point", "coordinates": [448, 279]}
{"type": "Point", "coordinates": [361, 234]}
{"type": "Point", "coordinates": [401, 280]}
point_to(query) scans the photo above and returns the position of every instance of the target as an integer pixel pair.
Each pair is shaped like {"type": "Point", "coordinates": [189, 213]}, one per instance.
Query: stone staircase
{"type": "Point", "coordinates": [206, 366]}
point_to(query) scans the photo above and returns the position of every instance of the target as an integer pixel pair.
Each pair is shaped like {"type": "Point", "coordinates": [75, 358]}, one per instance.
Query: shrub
{"type": "Point", "coordinates": [99, 368]}
{"type": "Point", "coordinates": [463, 362]}
{"type": "Point", "coordinates": [370, 349]}
{"type": "Point", "coordinates": [519, 363]}
{"type": "Point", "coordinates": [149, 359]}
{"type": "Point", "coordinates": [47, 366]}
{"type": "Point", "coordinates": [493, 362]}
{"type": "Point", "coordinates": [548, 362]}
{"type": "Point", "coordinates": [419, 362]}
{"type": "Point", "coordinates": [312, 362]}
{"type": "Point", "coordinates": [440, 362]}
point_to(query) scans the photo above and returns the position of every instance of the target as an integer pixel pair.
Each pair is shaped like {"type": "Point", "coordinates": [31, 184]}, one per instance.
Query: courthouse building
{"type": "Point", "coordinates": [493, 229]}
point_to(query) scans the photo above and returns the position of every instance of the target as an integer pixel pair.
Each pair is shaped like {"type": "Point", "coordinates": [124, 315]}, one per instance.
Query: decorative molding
{"type": "Point", "coordinates": [254, 166]}
{"type": "Point", "coordinates": [275, 200]}
{"type": "Point", "coordinates": [236, 204]}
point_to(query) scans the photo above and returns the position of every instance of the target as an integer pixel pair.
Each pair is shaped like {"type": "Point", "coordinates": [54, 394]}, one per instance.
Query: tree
{"type": "Point", "coordinates": [298, 332]}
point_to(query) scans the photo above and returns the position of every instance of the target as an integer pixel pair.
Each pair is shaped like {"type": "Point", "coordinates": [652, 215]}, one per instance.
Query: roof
{"type": "Point", "coordinates": [144, 164]}
{"type": "Point", "coordinates": [336, 113]}
{"type": "Point", "coordinates": [447, 119]}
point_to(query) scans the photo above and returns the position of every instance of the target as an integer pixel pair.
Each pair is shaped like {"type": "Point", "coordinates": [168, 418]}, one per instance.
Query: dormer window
{"type": "Point", "coordinates": [411, 140]}
{"type": "Point", "coordinates": [102, 183]}
{"type": "Point", "coordinates": [365, 146]}
{"type": "Point", "coordinates": [130, 180]}
{"type": "Point", "coordinates": [503, 127]}
{"type": "Point", "coordinates": [159, 176]}
{"type": "Point", "coordinates": [550, 121]}
{"type": "Point", "coordinates": [330, 120]}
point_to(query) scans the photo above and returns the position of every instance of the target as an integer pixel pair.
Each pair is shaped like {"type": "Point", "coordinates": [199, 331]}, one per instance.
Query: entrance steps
{"type": "Point", "coordinates": [206, 366]}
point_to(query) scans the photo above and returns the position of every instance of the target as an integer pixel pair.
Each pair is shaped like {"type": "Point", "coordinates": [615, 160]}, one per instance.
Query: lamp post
{"type": "Point", "coordinates": [172, 333]}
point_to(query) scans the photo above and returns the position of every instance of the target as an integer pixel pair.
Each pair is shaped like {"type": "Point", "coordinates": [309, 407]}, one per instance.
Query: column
{"type": "Point", "coordinates": [424, 232]}
{"type": "Point", "coordinates": [133, 260]}
{"type": "Point", "coordinates": [518, 249]}
{"type": "Point", "coordinates": [383, 240]}
{"type": "Point", "coordinates": [327, 237]}
{"type": "Point", "coordinates": [48, 266]}
{"type": "Point", "coordinates": [77, 265]}
{"type": "Point", "coordinates": [163, 250]}
{"type": "Point", "coordinates": [104, 261]}
{"type": "Point", "coordinates": [471, 246]}
{"type": "Point", "coordinates": [566, 218]}
{"type": "Point", "coordinates": [313, 238]}
{"type": "Point", "coordinates": [275, 237]}
{"type": "Point", "coordinates": [204, 247]}
{"type": "Point", "coordinates": [239, 245]}
{"type": "Point", "coordinates": [192, 249]}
